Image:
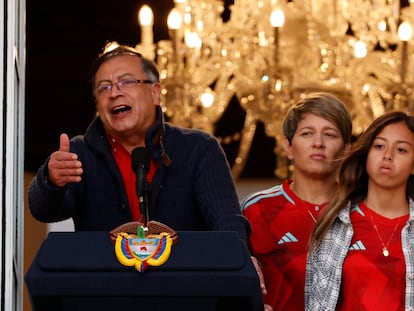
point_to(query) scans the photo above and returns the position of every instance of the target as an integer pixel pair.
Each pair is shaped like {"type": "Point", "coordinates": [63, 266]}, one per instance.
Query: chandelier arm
{"type": "Point", "coordinates": [246, 139]}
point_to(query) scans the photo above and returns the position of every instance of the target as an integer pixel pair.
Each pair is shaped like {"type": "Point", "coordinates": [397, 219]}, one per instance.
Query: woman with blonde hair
{"type": "Point", "coordinates": [317, 133]}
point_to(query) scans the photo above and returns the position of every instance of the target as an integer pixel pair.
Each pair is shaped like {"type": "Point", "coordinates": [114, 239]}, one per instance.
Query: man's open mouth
{"type": "Point", "coordinates": [120, 109]}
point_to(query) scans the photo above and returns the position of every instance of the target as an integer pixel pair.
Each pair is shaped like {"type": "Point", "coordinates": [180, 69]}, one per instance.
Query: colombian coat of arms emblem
{"type": "Point", "coordinates": [147, 246]}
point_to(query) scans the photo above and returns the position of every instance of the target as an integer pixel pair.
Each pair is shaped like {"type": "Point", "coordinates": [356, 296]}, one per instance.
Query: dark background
{"type": "Point", "coordinates": [63, 39]}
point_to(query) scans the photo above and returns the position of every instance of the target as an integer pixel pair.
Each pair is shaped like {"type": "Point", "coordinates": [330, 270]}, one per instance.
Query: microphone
{"type": "Point", "coordinates": [140, 165]}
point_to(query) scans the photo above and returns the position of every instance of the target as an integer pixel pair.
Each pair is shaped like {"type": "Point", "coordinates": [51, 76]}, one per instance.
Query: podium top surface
{"type": "Point", "coordinates": [94, 251]}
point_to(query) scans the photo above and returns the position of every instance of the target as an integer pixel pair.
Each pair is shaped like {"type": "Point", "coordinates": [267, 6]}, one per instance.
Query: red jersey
{"type": "Point", "coordinates": [281, 226]}
{"type": "Point", "coordinates": [372, 281]}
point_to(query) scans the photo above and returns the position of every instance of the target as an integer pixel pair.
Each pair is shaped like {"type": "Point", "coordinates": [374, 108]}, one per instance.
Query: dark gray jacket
{"type": "Point", "coordinates": [192, 189]}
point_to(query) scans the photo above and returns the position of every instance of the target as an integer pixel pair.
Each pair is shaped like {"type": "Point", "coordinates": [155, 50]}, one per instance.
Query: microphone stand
{"type": "Point", "coordinates": [140, 162]}
{"type": "Point", "coordinates": [144, 199]}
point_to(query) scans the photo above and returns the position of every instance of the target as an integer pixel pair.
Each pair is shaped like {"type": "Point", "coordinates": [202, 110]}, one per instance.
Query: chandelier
{"type": "Point", "coordinates": [269, 53]}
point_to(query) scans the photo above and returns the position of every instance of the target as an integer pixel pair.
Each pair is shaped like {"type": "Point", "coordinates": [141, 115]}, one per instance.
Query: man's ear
{"type": "Point", "coordinates": [156, 93]}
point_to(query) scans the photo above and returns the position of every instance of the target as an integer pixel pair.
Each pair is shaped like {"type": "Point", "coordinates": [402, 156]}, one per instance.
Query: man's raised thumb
{"type": "Point", "coordinates": [64, 142]}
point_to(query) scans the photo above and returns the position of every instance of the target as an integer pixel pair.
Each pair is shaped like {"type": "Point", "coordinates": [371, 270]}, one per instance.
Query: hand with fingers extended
{"type": "Point", "coordinates": [64, 166]}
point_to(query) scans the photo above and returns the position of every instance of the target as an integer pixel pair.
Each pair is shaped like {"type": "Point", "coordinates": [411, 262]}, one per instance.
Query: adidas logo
{"type": "Point", "coordinates": [357, 246]}
{"type": "Point", "coordinates": [287, 238]}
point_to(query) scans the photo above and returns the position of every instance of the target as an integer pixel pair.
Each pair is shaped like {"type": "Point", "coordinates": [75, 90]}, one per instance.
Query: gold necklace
{"type": "Point", "coordinates": [303, 203]}
{"type": "Point", "coordinates": [309, 212]}
{"type": "Point", "coordinates": [385, 250]}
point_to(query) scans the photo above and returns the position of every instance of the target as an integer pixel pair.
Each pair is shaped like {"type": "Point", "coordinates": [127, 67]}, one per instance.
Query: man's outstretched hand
{"type": "Point", "coordinates": [64, 166]}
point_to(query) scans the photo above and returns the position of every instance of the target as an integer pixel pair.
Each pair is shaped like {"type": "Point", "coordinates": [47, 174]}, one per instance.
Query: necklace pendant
{"type": "Point", "coordinates": [385, 252]}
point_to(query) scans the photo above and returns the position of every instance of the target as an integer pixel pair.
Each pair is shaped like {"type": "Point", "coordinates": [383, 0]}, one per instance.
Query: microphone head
{"type": "Point", "coordinates": [140, 158]}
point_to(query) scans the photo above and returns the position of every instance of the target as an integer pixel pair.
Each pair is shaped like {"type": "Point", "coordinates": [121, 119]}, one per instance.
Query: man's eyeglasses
{"type": "Point", "coordinates": [122, 85]}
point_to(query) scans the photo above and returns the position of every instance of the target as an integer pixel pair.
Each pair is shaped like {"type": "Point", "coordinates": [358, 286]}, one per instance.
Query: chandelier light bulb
{"type": "Point", "coordinates": [187, 18]}
{"type": "Point", "coordinates": [207, 98]}
{"type": "Point", "coordinates": [360, 49]}
{"type": "Point", "coordinates": [405, 31]}
{"type": "Point", "coordinates": [192, 40]}
{"type": "Point", "coordinates": [146, 21]}
{"type": "Point", "coordinates": [277, 18]}
{"type": "Point", "coordinates": [278, 85]}
{"type": "Point", "coordinates": [145, 16]}
{"type": "Point", "coordinates": [174, 19]}
{"type": "Point", "coordinates": [382, 25]}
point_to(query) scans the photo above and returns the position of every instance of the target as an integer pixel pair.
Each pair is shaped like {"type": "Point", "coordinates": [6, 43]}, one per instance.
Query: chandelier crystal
{"type": "Point", "coordinates": [269, 53]}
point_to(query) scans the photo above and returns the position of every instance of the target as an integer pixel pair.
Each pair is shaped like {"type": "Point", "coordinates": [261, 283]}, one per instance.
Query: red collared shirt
{"type": "Point", "coordinates": [123, 159]}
